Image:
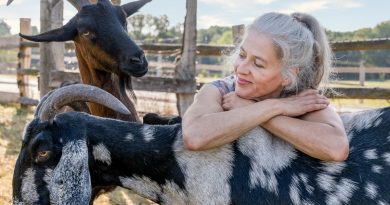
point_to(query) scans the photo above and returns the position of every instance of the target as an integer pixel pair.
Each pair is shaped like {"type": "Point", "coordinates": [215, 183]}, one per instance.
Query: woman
{"type": "Point", "coordinates": [277, 73]}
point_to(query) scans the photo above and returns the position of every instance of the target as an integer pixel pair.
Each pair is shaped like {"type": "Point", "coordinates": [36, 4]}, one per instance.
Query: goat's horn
{"type": "Point", "coordinates": [132, 7]}
{"type": "Point", "coordinates": [73, 93]}
{"type": "Point", "coordinates": [78, 4]}
{"type": "Point", "coordinates": [9, 2]}
{"type": "Point", "coordinates": [64, 33]}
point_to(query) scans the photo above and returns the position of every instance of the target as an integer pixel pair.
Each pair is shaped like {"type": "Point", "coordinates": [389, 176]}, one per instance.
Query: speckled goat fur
{"type": "Point", "coordinates": [258, 168]}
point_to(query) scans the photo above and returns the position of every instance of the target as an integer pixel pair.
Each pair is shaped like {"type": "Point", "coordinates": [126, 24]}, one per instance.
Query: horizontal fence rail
{"type": "Point", "coordinates": [169, 84]}
{"type": "Point", "coordinates": [211, 50]}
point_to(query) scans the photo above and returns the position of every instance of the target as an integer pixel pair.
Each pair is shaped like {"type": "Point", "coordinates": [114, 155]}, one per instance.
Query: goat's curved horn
{"type": "Point", "coordinates": [73, 93]}
{"type": "Point", "coordinates": [65, 33]}
{"type": "Point", "coordinates": [132, 7]}
{"type": "Point", "coordinates": [78, 4]}
{"type": "Point", "coordinates": [9, 2]}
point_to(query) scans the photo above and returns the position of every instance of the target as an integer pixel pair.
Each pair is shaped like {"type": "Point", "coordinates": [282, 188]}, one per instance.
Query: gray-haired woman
{"type": "Point", "coordinates": [280, 65]}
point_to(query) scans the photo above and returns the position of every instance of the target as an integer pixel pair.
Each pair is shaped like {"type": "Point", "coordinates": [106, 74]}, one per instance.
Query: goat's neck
{"type": "Point", "coordinates": [124, 152]}
{"type": "Point", "coordinates": [91, 74]}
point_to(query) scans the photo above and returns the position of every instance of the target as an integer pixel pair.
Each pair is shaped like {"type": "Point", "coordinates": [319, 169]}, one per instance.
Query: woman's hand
{"type": "Point", "coordinates": [306, 101]}
{"type": "Point", "coordinates": [232, 101]}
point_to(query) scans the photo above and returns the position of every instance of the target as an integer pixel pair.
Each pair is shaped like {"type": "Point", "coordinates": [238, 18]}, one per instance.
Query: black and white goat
{"type": "Point", "coordinates": [64, 156]}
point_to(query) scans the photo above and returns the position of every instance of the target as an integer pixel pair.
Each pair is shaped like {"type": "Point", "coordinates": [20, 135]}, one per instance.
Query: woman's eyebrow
{"type": "Point", "coordinates": [256, 57]}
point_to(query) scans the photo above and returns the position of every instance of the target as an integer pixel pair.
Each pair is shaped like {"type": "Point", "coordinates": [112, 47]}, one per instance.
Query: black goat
{"type": "Point", "coordinates": [63, 158]}
{"type": "Point", "coordinates": [106, 55]}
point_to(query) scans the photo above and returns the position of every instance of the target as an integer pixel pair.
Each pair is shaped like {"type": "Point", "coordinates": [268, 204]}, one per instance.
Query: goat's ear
{"type": "Point", "coordinates": [132, 7]}
{"type": "Point", "coordinates": [65, 33]}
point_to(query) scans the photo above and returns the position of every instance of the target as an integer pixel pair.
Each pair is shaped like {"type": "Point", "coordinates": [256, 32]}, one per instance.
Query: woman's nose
{"type": "Point", "coordinates": [242, 67]}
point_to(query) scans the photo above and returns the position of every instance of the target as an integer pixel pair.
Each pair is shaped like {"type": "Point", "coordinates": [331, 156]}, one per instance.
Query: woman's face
{"type": "Point", "coordinates": [258, 69]}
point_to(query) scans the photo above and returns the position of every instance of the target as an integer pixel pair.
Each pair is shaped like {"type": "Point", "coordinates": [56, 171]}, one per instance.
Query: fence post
{"type": "Point", "coordinates": [362, 71]}
{"type": "Point", "coordinates": [238, 32]}
{"type": "Point", "coordinates": [52, 54]}
{"type": "Point", "coordinates": [185, 68]}
{"type": "Point", "coordinates": [24, 59]}
{"type": "Point", "coordinates": [159, 71]}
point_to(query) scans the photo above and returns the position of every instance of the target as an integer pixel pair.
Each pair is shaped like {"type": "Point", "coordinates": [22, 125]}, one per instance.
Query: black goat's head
{"type": "Point", "coordinates": [52, 167]}
{"type": "Point", "coordinates": [100, 35]}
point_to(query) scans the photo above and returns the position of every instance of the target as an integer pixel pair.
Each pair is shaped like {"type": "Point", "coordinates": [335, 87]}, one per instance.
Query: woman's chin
{"type": "Point", "coordinates": [242, 94]}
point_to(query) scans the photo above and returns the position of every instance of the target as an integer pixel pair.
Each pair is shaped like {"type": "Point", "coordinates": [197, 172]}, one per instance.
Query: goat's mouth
{"type": "Point", "coordinates": [135, 70]}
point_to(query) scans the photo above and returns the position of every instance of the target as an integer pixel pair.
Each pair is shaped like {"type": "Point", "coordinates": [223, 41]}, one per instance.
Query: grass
{"type": "Point", "coordinates": [8, 55]}
{"type": "Point", "coordinates": [12, 121]}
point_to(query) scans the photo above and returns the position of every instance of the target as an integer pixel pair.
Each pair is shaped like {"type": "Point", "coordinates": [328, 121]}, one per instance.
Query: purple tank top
{"type": "Point", "coordinates": [225, 85]}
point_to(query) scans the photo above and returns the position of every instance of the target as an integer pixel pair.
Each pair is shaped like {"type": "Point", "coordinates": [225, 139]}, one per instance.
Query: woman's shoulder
{"type": "Point", "coordinates": [225, 85]}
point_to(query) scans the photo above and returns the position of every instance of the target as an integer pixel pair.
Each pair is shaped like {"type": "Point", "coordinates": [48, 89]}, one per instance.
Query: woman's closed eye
{"type": "Point", "coordinates": [259, 65]}
{"type": "Point", "coordinates": [242, 55]}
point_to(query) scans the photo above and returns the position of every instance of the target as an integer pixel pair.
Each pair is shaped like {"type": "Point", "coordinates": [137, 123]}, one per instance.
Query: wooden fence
{"type": "Point", "coordinates": [176, 85]}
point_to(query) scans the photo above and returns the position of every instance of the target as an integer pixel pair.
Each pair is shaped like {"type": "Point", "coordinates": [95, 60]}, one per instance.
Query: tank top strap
{"type": "Point", "coordinates": [225, 85]}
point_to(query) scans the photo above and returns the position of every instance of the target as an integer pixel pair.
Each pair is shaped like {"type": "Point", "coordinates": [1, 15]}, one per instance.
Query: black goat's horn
{"type": "Point", "coordinates": [75, 93]}
{"type": "Point", "coordinates": [65, 33]}
{"type": "Point", "coordinates": [132, 7]}
{"type": "Point", "coordinates": [9, 2]}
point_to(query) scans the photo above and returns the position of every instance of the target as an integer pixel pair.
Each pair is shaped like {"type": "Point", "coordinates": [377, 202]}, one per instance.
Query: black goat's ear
{"type": "Point", "coordinates": [132, 7]}
{"type": "Point", "coordinates": [65, 33]}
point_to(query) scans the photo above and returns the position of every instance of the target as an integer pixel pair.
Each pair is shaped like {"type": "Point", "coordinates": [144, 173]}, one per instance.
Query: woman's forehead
{"type": "Point", "coordinates": [260, 45]}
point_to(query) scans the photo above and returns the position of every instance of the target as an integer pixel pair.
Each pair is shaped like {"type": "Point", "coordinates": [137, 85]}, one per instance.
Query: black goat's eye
{"type": "Point", "coordinates": [86, 33]}
{"type": "Point", "coordinates": [43, 156]}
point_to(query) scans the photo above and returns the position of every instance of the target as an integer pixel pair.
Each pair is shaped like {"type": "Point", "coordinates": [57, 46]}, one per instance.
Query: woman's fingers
{"type": "Point", "coordinates": [314, 107]}
{"type": "Point", "coordinates": [308, 92]}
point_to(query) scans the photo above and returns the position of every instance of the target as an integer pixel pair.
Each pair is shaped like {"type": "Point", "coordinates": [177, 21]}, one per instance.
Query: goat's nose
{"type": "Point", "coordinates": [137, 60]}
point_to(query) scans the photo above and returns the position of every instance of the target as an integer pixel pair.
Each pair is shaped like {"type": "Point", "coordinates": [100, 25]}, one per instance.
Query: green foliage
{"type": "Point", "coordinates": [5, 29]}
{"type": "Point", "coordinates": [212, 34]}
{"type": "Point", "coordinates": [8, 55]}
{"type": "Point", "coordinates": [151, 28]}
{"type": "Point", "coordinates": [371, 58]}
{"type": "Point", "coordinates": [226, 38]}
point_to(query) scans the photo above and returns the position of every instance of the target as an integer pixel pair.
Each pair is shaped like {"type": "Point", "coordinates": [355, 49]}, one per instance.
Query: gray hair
{"type": "Point", "coordinates": [300, 42]}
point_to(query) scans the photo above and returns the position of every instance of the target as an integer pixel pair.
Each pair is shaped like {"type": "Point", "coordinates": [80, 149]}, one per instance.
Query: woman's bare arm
{"type": "Point", "coordinates": [320, 134]}
{"type": "Point", "coordinates": [206, 125]}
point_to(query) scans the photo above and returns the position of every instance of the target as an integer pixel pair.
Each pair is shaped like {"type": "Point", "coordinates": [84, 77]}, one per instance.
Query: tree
{"type": "Point", "coordinates": [226, 38]}
{"type": "Point", "coordinates": [5, 29]}
{"type": "Point", "coordinates": [211, 34]}
{"type": "Point", "coordinates": [161, 25]}
{"type": "Point", "coordinates": [137, 24]}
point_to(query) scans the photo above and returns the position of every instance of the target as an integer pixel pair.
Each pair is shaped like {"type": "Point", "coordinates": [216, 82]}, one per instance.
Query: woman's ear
{"type": "Point", "coordinates": [295, 70]}
{"type": "Point", "coordinates": [286, 80]}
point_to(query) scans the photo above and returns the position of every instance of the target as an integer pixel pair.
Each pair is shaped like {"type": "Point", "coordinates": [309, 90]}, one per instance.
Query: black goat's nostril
{"type": "Point", "coordinates": [136, 60]}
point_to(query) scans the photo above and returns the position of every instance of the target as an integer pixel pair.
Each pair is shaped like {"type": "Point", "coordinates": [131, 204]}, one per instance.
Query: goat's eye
{"type": "Point", "coordinates": [86, 33]}
{"type": "Point", "coordinates": [43, 156]}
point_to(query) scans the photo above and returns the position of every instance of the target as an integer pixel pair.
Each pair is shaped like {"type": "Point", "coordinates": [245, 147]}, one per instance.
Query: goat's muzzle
{"type": "Point", "coordinates": [134, 66]}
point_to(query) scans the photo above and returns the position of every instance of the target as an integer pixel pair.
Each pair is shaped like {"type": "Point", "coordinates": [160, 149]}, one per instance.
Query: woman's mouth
{"type": "Point", "coordinates": [242, 81]}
